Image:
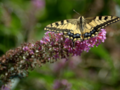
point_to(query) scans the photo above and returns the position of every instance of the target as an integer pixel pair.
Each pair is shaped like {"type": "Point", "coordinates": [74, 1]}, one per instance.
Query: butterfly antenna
{"type": "Point", "coordinates": [90, 9]}
{"type": "Point", "coordinates": [76, 12]}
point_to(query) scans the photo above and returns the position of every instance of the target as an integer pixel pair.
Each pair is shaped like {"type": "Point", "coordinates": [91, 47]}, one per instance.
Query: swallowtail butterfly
{"type": "Point", "coordinates": [81, 28]}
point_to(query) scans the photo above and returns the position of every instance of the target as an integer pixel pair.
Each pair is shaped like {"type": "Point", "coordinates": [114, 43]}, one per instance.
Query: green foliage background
{"type": "Point", "coordinates": [99, 69]}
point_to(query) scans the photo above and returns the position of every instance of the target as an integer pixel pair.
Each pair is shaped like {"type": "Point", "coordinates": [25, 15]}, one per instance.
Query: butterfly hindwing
{"type": "Point", "coordinates": [94, 24]}
{"type": "Point", "coordinates": [99, 22]}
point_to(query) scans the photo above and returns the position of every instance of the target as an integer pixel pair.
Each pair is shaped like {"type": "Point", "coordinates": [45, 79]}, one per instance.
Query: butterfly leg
{"type": "Point", "coordinates": [73, 42]}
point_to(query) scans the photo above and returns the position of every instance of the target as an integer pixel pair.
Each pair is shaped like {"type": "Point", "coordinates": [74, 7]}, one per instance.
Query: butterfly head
{"type": "Point", "coordinates": [81, 23]}
{"type": "Point", "coordinates": [81, 19]}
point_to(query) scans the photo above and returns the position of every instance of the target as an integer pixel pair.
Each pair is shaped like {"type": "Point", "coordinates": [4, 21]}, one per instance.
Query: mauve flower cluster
{"type": "Point", "coordinates": [38, 3]}
{"type": "Point", "coordinates": [72, 64]}
{"type": "Point", "coordinates": [67, 45]}
{"type": "Point", "coordinates": [52, 47]}
{"type": "Point", "coordinates": [5, 87]}
{"type": "Point", "coordinates": [62, 85]}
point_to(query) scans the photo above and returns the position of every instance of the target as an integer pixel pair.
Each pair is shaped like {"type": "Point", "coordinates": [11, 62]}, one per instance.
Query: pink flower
{"type": "Point", "coordinates": [62, 85]}
{"type": "Point", "coordinates": [5, 87]}
{"type": "Point", "coordinates": [38, 3]}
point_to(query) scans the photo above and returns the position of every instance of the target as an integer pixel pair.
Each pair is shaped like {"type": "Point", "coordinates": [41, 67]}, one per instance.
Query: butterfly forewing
{"type": "Point", "coordinates": [59, 26]}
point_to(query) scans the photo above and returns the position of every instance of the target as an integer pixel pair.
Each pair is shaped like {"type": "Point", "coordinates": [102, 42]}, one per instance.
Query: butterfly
{"type": "Point", "coordinates": [81, 28]}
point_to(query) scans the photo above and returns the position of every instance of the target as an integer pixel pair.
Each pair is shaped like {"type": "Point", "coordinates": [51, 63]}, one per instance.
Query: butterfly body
{"type": "Point", "coordinates": [81, 28]}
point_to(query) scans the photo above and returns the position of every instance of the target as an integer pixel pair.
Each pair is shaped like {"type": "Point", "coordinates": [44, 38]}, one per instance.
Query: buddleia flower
{"type": "Point", "coordinates": [52, 47]}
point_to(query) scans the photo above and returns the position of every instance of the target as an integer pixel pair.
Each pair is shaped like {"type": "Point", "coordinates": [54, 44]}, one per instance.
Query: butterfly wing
{"type": "Point", "coordinates": [60, 26]}
{"type": "Point", "coordinates": [94, 24]}
{"type": "Point", "coordinates": [69, 27]}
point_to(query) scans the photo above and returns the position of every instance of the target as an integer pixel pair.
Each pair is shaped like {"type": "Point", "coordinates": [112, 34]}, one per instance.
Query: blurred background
{"type": "Point", "coordinates": [99, 69]}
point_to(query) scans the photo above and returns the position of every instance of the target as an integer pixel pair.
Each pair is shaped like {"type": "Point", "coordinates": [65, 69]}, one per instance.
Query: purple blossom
{"type": "Point", "coordinates": [72, 63]}
{"type": "Point", "coordinates": [5, 87]}
{"type": "Point", "coordinates": [38, 3]}
{"type": "Point", "coordinates": [58, 38]}
{"type": "Point", "coordinates": [58, 66]}
{"type": "Point", "coordinates": [62, 84]}
{"type": "Point", "coordinates": [25, 48]}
